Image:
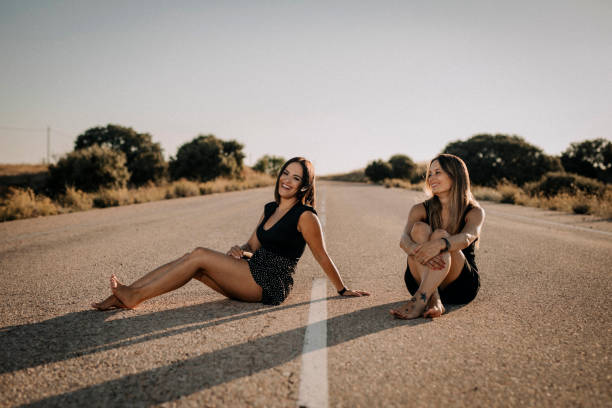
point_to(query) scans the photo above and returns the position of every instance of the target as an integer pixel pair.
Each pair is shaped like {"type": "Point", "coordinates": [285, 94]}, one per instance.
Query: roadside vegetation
{"type": "Point", "coordinates": [115, 165]}
{"type": "Point", "coordinates": [507, 169]}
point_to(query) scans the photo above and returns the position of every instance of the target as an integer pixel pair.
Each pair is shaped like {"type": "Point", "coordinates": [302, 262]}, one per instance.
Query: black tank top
{"type": "Point", "coordinates": [469, 252]}
{"type": "Point", "coordinates": [283, 238]}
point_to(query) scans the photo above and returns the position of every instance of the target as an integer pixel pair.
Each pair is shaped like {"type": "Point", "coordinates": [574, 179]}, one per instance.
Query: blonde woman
{"type": "Point", "coordinates": [260, 270]}
{"type": "Point", "coordinates": [439, 239]}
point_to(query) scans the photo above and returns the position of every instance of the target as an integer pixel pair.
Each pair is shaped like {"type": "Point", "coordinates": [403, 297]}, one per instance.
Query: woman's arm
{"type": "Point", "coordinates": [473, 224]}
{"type": "Point", "coordinates": [249, 247]}
{"type": "Point", "coordinates": [417, 213]}
{"type": "Point", "coordinates": [311, 230]}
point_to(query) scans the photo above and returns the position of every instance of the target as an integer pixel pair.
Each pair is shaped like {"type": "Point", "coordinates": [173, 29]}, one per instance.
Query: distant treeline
{"type": "Point", "coordinates": [495, 159]}
{"type": "Point", "coordinates": [115, 157]}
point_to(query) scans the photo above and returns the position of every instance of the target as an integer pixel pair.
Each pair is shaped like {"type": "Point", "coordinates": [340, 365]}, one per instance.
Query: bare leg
{"type": "Point", "coordinates": [232, 276]}
{"type": "Point", "coordinates": [420, 233]}
{"type": "Point", "coordinates": [112, 302]}
{"type": "Point", "coordinates": [431, 279]}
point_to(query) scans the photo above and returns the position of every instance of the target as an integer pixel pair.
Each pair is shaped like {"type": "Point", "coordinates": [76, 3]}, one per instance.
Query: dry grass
{"type": "Point", "coordinates": [20, 169]}
{"type": "Point", "coordinates": [355, 176]}
{"type": "Point", "coordinates": [401, 183]}
{"type": "Point", "coordinates": [24, 203]}
{"type": "Point", "coordinates": [76, 200]}
{"type": "Point", "coordinates": [579, 203]}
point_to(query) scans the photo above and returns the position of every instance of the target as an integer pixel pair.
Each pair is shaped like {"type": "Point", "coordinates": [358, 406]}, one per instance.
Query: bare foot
{"type": "Point", "coordinates": [412, 309]}
{"type": "Point", "coordinates": [124, 294]}
{"type": "Point", "coordinates": [109, 303]}
{"type": "Point", "coordinates": [434, 308]}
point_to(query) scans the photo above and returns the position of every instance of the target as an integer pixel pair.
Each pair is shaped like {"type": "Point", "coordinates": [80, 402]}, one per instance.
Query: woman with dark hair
{"type": "Point", "coordinates": [260, 270]}
{"type": "Point", "coordinates": [439, 238]}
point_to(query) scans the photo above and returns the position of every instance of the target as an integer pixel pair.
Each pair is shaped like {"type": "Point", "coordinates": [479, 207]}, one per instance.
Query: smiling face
{"type": "Point", "coordinates": [437, 179]}
{"type": "Point", "coordinates": [290, 180]}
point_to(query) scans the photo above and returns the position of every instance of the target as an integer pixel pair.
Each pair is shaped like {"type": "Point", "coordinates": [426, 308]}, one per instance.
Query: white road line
{"type": "Point", "coordinates": [546, 222]}
{"type": "Point", "coordinates": [313, 380]}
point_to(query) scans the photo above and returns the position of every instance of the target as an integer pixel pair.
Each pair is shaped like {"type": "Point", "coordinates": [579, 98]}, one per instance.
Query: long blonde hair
{"type": "Point", "coordinates": [460, 193]}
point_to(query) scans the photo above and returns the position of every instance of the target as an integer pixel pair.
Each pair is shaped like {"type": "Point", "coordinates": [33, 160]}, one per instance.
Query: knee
{"type": "Point", "coordinates": [199, 252]}
{"type": "Point", "coordinates": [439, 233]}
{"type": "Point", "coordinates": [420, 232]}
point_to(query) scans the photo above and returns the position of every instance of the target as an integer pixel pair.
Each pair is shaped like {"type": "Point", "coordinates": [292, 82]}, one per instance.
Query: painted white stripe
{"type": "Point", "coordinates": [321, 208]}
{"type": "Point", "coordinates": [539, 221]}
{"type": "Point", "coordinates": [313, 380]}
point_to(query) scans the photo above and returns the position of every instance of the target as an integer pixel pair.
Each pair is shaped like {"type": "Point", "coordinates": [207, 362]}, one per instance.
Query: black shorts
{"type": "Point", "coordinates": [460, 291]}
{"type": "Point", "coordinates": [274, 273]}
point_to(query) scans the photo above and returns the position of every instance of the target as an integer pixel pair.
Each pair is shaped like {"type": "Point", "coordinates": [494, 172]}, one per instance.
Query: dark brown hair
{"type": "Point", "coordinates": [460, 193]}
{"type": "Point", "coordinates": [308, 195]}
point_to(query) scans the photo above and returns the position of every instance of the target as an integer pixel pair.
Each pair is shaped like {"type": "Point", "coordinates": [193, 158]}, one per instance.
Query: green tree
{"type": "Point", "coordinates": [206, 158]}
{"type": "Point", "coordinates": [591, 158]}
{"type": "Point", "coordinates": [378, 170]}
{"type": "Point", "coordinates": [494, 158]}
{"type": "Point", "coordinates": [269, 164]}
{"type": "Point", "coordinates": [402, 166]}
{"type": "Point", "coordinates": [89, 169]}
{"type": "Point", "coordinates": [144, 159]}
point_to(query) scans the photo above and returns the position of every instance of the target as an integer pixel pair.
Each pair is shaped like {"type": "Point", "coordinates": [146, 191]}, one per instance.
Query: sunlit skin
{"type": "Point", "coordinates": [229, 273]}
{"type": "Point", "coordinates": [430, 267]}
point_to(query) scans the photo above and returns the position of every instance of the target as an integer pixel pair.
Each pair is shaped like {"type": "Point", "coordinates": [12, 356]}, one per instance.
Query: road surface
{"type": "Point", "coordinates": [538, 334]}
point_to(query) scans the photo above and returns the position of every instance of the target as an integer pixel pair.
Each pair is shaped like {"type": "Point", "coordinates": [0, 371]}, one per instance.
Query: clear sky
{"type": "Point", "coordinates": [340, 82]}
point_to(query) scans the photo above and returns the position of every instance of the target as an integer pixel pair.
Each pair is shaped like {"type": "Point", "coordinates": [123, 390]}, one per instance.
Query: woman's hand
{"type": "Point", "coordinates": [355, 293]}
{"type": "Point", "coordinates": [426, 252]}
{"type": "Point", "coordinates": [235, 252]}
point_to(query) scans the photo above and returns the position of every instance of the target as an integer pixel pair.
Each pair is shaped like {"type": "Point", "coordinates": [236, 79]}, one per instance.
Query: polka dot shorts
{"type": "Point", "coordinates": [274, 273]}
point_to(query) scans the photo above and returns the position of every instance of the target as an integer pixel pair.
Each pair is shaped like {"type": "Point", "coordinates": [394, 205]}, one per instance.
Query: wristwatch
{"type": "Point", "coordinates": [447, 242]}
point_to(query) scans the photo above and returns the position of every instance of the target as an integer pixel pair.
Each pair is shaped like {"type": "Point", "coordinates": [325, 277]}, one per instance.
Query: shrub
{"type": "Point", "coordinates": [565, 183]}
{"type": "Point", "coordinates": [206, 158]}
{"type": "Point", "coordinates": [402, 167]}
{"type": "Point", "coordinates": [112, 198]}
{"type": "Point", "coordinates": [494, 158]}
{"type": "Point", "coordinates": [378, 170]}
{"type": "Point", "coordinates": [269, 164]}
{"type": "Point", "coordinates": [23, 203]}
{"type": "Point", "coordinates": [591, 158]}
{"type": "Point", "coordinates": [144, 159]}
{"type": "Point", "coordinates": [76, 199]}
{"type": "Point", "coordinates": [185, 188]}
{"type": "Point", "coordinates": [89, 169]}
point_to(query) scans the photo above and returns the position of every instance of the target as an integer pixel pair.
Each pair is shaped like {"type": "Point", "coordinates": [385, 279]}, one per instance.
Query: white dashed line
{"type": "Point", "coordinates": [313, 380]}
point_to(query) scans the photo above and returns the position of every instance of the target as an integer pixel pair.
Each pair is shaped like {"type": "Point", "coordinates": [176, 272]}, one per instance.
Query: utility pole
{"type": "Point", "coordinates": [48, 145]}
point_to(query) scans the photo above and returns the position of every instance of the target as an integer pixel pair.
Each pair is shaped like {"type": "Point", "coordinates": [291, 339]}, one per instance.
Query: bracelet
{"type": "Point", "coordinates": [341, 291]}
{"type": "Point", "coordinates": [447, 245]}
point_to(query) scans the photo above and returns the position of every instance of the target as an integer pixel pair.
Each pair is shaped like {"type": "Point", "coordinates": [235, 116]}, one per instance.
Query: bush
{"type": "Point", "coordinates": [493, 159]}
{"type": "Point", "coordinates": [591, 158]}
{"type": "Point", "coordinates": [76, 199]}
{"type": "Point", "coordinates": [206, 158]}
{"type": "Point", "coordinates": [112, 198]}
{"type": "Point", "coordinates": [402, 167]}
{"type": "Point", "coordinates": [185, 188]}
{"type": "Point", "coordinates": [23, 203]}
{"type": "Point", "coordinates": [144, 159]}
{"type": "Point", "coordinates": [269, 164]}
{"type": "Point", "coordinates": [378, 170]}
{"type": "Point", "coordinates": [89, 169]}
{"type": "Point", "coordinates": [564, 183]}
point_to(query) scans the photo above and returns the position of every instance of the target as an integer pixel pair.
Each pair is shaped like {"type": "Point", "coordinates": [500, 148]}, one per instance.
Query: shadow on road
{"type": "Point", "coordinates": [191, 375]}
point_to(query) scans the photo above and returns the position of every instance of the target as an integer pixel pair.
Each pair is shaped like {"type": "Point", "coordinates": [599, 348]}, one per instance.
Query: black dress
{"type": "Point", "coordinates": [463, 289]}
{"type": "Point", "coordinates": [273, 265]}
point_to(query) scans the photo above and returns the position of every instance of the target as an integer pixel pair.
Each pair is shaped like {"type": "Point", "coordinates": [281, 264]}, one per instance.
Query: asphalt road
{"type": "Point", "coordinates": [538, 334]}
